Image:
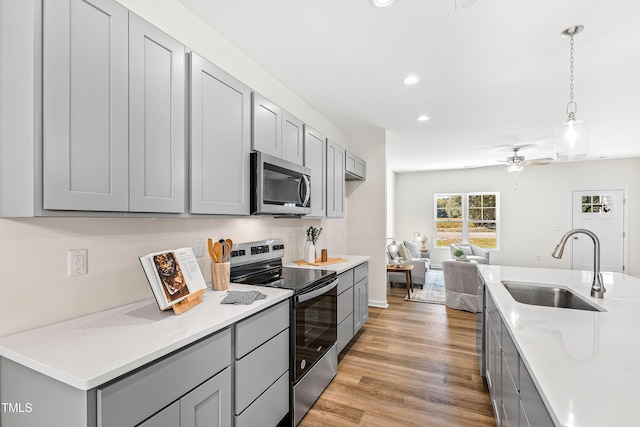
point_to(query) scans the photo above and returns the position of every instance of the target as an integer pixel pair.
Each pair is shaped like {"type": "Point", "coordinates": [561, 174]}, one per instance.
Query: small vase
{"type": "Point", "coordinates": [310, 252]}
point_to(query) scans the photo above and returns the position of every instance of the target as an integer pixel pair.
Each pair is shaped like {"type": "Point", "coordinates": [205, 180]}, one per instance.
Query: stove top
{"type": "Point", "coordinates": [260, 263]}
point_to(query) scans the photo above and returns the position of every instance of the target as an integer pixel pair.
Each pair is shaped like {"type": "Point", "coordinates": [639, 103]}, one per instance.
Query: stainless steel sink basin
{"type": "Point", "coordinates": [548, 296]}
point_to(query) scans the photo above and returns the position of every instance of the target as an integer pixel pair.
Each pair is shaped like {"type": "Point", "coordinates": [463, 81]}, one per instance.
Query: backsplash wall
{"type": "Point", "coordinates": [35, 287]}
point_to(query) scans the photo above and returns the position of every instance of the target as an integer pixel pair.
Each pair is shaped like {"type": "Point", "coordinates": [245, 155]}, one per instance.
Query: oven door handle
{"type": "Point", "coordinates": [310, 295]}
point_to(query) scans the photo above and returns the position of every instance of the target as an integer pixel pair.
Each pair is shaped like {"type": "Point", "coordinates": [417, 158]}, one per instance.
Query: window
{"type": "Point", "coordinates": [471, 217]}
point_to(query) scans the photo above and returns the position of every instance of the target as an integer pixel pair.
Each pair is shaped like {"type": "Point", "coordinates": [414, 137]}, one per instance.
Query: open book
{"type": "Point", "coordinates": [172, 275]}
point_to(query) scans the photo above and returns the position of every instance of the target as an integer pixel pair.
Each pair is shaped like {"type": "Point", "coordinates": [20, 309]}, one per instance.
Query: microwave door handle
{"type": "Point", "coordinates": [307, 190]}
{"type": "Point", "coordinates": [310, 295]}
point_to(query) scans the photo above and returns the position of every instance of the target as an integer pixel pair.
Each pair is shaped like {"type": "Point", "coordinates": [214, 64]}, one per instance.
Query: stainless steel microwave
{"type": "Point", "coordinates": [279, 187]}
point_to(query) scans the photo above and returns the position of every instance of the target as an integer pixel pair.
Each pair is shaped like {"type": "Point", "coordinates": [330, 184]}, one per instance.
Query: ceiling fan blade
{"type": "Point", "coordinates": [539, 162]}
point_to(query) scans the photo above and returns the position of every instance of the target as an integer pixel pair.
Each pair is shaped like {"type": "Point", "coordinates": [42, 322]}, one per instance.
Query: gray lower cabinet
{"type": "Point", "coordinates": [335, 180]}
{"type": "Point", "coordinates": [262, 367]}
{"type": "Point", "coordinates": [353, 303]}
{"type": "Point", "coordinates": [196, 380]}
{"type": "Point", "coordinates": [515, 398]}
{"type": "Point", "coordinates": [208, 405]}
{"type": "Point", "coordinates": [315, 158]}
{"type": "Point", "coordinates": [220, 141]}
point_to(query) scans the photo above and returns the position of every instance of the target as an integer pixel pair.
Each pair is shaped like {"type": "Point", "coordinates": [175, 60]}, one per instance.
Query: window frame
{"type": "Point", "coordinates": [465, 215]}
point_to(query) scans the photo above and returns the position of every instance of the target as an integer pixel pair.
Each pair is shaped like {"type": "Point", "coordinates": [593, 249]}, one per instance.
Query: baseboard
{"type": "Point", "coordinates": [378, 304]}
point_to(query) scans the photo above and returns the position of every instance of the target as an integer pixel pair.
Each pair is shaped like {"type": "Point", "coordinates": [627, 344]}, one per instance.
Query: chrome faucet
{"type": "Point", "coordinates": [597, 287]}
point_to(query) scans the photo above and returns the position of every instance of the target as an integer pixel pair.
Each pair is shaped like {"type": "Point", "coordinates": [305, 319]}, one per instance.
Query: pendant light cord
{"type": "Point", "coordinates": [570, 112]}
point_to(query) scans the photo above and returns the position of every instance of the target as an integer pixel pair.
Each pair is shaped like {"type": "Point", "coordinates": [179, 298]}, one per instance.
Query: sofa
{"type": "Point", "coordinates": [471, 252]}
{"type": "Point", "coordinates": [410, 252]}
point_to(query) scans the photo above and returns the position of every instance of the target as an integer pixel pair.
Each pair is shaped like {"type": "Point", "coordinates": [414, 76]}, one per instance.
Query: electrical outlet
{"type": "Point", "coordinates": [198, 247]}
{"type": "Point", "coordinates": [77, 262]}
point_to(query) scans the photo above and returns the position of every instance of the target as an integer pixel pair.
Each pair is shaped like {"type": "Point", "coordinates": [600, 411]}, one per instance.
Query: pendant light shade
{"type": "Point", "coordinates": [572, 136]}
{"type": "Point", "coordinates": [572, 140]}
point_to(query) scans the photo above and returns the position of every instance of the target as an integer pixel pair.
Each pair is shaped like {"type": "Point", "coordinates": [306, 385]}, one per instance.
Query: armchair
{"type": "Point", "coordinates": [421, 266]}
{"type": "Point", "coordinates": [472, 252]}
{"type": "Point", "coordinates": [461, 285]}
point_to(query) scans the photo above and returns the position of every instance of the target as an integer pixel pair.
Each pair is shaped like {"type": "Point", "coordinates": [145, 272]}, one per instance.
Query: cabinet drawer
{"type": "Point", "coordinates": [345, 332]}
{"type": "Point", "coordinates": [269, 408]}
{"type": "Point", "coordinates": [136, 397]}
{"type": "Point", "coordinates": [259, 369]}
{"type": "Point", "coordinates": [261, 327]}
{"type": "Point", "coordinates": [345, 280]}
{"type": "Point", "coordinates": [360, 272]}
{"type": "Point", "coordinates": [345, 304]}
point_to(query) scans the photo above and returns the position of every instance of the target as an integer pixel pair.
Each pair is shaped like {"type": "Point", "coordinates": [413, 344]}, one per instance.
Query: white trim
{"type": "Point", "coordinates": [378, 304]}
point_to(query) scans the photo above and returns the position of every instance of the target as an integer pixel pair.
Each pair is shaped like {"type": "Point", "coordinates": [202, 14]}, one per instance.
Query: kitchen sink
{"type": "Point", "coordinates": [548, 296]}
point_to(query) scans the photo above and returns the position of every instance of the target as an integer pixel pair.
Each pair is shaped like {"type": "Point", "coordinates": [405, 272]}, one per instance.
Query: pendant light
{"type": "Point", "coordinates": [572, 136]}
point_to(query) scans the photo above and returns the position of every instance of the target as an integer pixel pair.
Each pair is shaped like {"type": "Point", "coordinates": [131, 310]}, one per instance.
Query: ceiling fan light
{"type": "Point", "coordinates": [572, 140]}
{"type": "Point", "coordinates": [514, 167]}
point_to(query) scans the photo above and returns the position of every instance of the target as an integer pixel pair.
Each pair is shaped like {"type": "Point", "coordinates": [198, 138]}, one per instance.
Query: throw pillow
{"type": "Point", "coordinates": [404, 252]}
{"type": "Point", "coordinates": [413, 248]}
{"type": "Point", "coordinates": [467, 250]}
{"type": "Point", "coordinates": [393, 251]}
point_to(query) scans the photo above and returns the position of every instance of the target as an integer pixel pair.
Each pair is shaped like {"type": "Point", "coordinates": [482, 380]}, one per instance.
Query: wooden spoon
{"type": "Point", "coordinates": [217, 252]}
{"type": "Point", "coordinates": [211, 253]}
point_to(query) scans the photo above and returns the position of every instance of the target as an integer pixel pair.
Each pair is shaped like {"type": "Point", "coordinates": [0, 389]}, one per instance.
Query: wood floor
{"type": "Point", "coordinates": [413, 364]}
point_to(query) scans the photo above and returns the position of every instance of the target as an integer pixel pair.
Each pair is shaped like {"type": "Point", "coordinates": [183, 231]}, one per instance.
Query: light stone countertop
{"type": "Point", "coordinates": [88, 351]}
{"type": "Point", "coordinates": [584, 364]}
{"type": "Point", "coordinates": [352, 261]}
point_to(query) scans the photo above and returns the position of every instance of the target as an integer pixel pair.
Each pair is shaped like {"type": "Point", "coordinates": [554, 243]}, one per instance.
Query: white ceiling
{"type": "Point", "coordinates": [493, 75]}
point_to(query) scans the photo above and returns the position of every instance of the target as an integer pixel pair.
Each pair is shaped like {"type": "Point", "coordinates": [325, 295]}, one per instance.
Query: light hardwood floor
{"type": "Point", "coordinates": [413, 364]}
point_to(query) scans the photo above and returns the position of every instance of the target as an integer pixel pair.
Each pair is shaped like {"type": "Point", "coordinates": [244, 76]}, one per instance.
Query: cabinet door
{"type": "Point", "coordinates": [220, 141]}
{"type": "Point", "coordinates": [360, 305]}
{"type": "Point", "coordinates": [315, 158]}
{"type": "Point", "coordinates": [85, 105]}
{"type": "Point", "coordinates": [156, 120]}
{"type": "Point", "coordinates": [267, 126]}
{"type": "Point", "coordinates": [335, 180]}
{"type": "Point", "coordinates": [292, 139]}
{"type": "Point", "coordinates": [208, 405]}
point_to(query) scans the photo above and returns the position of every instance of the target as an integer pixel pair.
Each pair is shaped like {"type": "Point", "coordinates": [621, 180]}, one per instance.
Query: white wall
{"type": "Point", "coordinates": [535, 206]}
{"type": "Point", "coordinates": [366, 219]}
{"type": "Point", "coordinates": [35, 288]}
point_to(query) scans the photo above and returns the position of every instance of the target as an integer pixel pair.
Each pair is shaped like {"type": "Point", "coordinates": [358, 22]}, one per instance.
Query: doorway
{"type": "Point", "coordinates": [602, 212]}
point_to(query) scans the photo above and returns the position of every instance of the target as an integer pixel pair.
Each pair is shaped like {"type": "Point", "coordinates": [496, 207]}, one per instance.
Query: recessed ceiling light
{"type": "Point", "coordinates": [380, 3]}
{"type": "Point", "coordinates": [423, 118]}
{"type": "Point", "coordinates": [410, 80]}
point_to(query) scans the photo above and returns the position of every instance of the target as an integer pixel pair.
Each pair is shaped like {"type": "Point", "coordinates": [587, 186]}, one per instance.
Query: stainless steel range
{"type": "Point", "coordinates": [313, 320]}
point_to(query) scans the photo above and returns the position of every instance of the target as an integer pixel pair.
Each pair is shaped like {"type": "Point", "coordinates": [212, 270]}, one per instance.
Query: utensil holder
{"type": "Point", "coordinates": [220, 275]}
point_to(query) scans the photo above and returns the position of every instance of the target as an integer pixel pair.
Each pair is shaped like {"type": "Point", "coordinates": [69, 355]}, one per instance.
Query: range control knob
{"type": "Point", "coordinates": [303, 364]}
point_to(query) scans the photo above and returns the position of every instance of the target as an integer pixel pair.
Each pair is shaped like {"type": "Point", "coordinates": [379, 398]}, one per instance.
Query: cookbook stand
{"type": "Point", "coordinates": [188, 303]}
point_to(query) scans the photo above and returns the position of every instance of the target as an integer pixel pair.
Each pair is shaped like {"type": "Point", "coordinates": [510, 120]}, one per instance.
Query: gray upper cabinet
{"type": "Point", "coordinates": [355, 167]}
{"type": "Point", "coordinates": [315, 158]}
{"type": "Point", "coordinates": [220, 141]}
{"type": "Point", "coordinates": [267, 126]}
{"type": "Point", "coordinates": [292, 139]}
{"type": "Point", "coordinates": [157, 120]}
{"type": "Point", "coordinates": [85, 105]}
{"type": "Point", "coordinates": [335, 180]}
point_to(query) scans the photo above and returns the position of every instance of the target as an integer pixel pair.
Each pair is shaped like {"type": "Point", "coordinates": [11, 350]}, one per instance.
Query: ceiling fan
{"type": "Point", "coordinates": [516, 163]}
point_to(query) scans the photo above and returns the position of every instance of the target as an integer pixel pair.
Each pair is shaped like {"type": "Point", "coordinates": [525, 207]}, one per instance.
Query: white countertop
{"type": "Point", "coordinates": [88, 351]}
{"type": "Point", "coordinates": [351, 261]}
{"type": "Point", "coordinates": [585, 364]}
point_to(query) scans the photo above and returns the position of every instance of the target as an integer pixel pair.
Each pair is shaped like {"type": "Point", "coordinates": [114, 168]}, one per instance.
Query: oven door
{"type": "Point", "coordinates": [316, 322]}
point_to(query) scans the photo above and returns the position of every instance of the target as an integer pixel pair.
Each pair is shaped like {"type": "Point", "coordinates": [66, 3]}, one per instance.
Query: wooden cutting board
{"type": "Point", "coordinates": [319, 263]}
